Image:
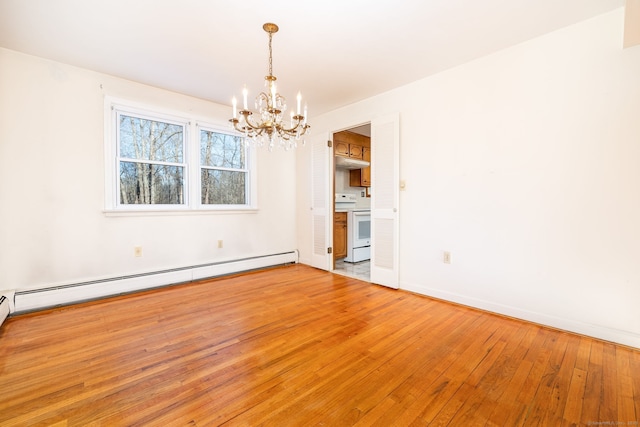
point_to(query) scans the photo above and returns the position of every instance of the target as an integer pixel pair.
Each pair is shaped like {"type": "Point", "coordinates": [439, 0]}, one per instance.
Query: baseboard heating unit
{"type": "Point", "coordinates": [37, 299]}
{"type": "Point", "coordinates": [4, 308]}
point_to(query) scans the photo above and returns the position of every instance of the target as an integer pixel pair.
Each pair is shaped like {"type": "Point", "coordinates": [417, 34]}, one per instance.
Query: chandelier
{"type": "Point", "coordinates": [269, 125]}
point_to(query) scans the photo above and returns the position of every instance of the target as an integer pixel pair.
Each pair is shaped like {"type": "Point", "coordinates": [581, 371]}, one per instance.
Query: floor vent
{"type": "Point", "coordinates": [4, 308]}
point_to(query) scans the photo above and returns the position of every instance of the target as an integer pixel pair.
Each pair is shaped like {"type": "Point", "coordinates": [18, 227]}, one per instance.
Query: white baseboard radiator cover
{"type": "Point", "coordinates": [4, 308]}
{"type": "Point", "coordinates": [37, 299]}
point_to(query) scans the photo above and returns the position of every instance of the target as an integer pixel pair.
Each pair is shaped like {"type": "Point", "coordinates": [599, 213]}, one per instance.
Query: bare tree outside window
{"type": "Point", "coordinates": [223, 169]}
{"type": "Point", "coordinates": [151, 161]}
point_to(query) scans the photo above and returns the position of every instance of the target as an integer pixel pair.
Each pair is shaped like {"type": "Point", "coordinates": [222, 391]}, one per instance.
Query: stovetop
{"type": "Point", "coordinates": [346, 202]}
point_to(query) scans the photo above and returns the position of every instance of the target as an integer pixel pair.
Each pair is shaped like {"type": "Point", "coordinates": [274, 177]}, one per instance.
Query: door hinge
{"type": "Point", "coordinates": [329, 250]}
{"type": "Point", "coordinates": [329, 144]}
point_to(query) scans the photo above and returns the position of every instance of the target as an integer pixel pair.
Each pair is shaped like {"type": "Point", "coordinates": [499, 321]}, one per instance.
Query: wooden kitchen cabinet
{"type": "Point", "coordinates": [355, 146]}
{"type": "Point", "coordinates": [340, 148]}
{"type": "Point", "coordinates": [355, 151]}
{"type": "Point", "coordinates": [339, 235]}
{"type": "Point", "coordinates": [349, 144]}
{"type": "Point", "coordinates": [361, 177]}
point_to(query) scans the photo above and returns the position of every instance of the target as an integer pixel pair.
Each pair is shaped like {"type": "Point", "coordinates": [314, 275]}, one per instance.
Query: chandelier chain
{"type": "Point", "coordinates": [270, 55]}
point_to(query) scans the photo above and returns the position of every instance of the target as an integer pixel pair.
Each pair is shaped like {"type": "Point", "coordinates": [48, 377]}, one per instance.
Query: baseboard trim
{"type": "Point", "coordinates": [65, 294]}
{"type": "Point", "coordinates": [4, 308]}
{"type": "Point", "coordinates": [617, 336]}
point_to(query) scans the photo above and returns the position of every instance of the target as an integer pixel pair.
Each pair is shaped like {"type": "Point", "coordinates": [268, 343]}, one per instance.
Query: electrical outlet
{"type": "Point", "coordinates": [137, 251]}
{"type": "Point", "coordinates": [220, 244]}
{"type": "Point", "coordinates": [446, 258]}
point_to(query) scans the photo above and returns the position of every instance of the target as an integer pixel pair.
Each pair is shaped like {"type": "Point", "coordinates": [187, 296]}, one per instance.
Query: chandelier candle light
{"type": "Point", "coordinates": [270, 127]}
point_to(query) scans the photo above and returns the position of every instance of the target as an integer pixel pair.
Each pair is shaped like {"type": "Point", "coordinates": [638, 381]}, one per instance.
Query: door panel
{"type": "Point", "coordinates": [385, 142]}
{"type": "Point", "coordinates": [321, 206]}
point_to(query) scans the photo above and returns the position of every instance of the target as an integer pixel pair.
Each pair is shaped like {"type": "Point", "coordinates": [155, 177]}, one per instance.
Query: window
{"type": "Point", "coordinates": [223, 162]}
{"type": "Point", "coordinates": [151, 161]}
{"type": "Point", "coordinates": [162, 162]}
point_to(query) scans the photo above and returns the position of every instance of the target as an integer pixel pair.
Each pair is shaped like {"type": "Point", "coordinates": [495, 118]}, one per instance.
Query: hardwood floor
{"type": "Point", "coordinates": [297, 346]}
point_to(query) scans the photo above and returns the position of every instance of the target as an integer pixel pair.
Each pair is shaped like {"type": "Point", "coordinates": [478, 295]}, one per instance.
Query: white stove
{"type": "Point", "coordinates": [345, 201]}
{"type": "Point", "coordinates": [358, 228]}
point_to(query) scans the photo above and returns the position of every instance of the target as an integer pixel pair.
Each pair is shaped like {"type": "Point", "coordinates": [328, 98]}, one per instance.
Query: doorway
{"type": "Point", "coordinates": [384, 212]}
{"type": "Point", "coordinates": [352, 200]}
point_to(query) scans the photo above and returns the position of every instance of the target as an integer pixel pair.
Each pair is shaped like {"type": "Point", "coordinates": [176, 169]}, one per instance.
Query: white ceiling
{"type": "Point", "coordinates": [335, 52]}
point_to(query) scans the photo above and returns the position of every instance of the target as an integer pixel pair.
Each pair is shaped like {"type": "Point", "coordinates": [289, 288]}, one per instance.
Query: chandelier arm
{"type": "Point", "coordinates": [237, 127]}
{"type": "Point", "coordinates": [292, 130]}
{"type": "Point", "coordinates": [242, 129]}
{"type": "Point", "coordinates": [250, 129]}
{"type": "Point", "coordinates": [264, 97]}
{"type": "Point", "coordinates": [251, 126]}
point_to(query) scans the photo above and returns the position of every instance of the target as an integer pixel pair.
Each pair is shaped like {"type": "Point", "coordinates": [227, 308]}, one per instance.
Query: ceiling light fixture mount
{"type": "Point", "coordinates": [269, 128]}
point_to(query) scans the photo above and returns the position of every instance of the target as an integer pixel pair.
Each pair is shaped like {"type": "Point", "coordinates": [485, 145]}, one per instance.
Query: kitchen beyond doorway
{"type": "Point", "coordinates": [352, 178]}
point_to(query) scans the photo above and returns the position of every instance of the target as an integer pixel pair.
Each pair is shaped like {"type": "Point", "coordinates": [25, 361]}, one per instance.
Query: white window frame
{"type": "Point", "coordinates": [249, 184]}
{"type": "Point", "coordinates": [191, 161]}
{"type": "Point", "coordinates": [146, 115]}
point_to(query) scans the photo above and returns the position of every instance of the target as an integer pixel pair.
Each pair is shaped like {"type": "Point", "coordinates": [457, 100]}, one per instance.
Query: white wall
{"type": "Point", "coordinates": [526, 166]}
{"type": "Point", "coordinates": [52, 226]}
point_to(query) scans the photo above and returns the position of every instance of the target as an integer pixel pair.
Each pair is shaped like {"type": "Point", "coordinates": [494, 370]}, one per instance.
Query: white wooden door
{"type": "Point", "coordinates": [321, 205]}
{"type": "Point", "coordinates": [385, 180]}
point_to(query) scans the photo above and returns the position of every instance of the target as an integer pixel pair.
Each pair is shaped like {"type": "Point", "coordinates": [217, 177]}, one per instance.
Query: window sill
{"type": "Point", "coordinates": [174, 212]}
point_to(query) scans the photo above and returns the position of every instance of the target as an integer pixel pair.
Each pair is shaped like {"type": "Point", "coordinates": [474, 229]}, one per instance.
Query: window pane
{"type": "Point", "coordinates": [223, 187]}
{"type": "Point", "coordinates": [149, 184]}
{"type": "Point", "coordinates": [221, 150]}
{"type": "Point", "coordinates": [145, 139]}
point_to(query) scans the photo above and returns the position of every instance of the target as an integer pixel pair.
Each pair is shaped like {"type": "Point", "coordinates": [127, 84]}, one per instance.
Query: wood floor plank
{"type": "Point", "coordinates": [573, 405]}
{"type": "Point", "coordinates": [608, 408]}
{"type": "Point", "coordinates": [626, 404]}
{"type": "Point", "coordinates": [634, 368]}
{"type": "Point", "coordinates": [594, 386]}
{"type": "Point", "coordinates": [300, 346]}
{"type": "Point", "coordinates": [562, 379]}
